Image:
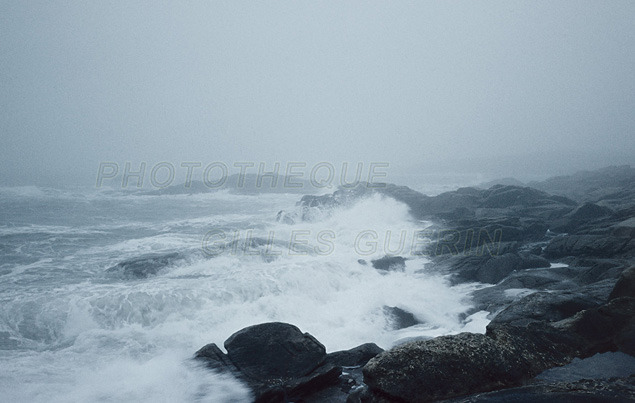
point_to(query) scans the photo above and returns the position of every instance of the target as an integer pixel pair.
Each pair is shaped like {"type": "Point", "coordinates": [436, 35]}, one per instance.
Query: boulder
{"type": "Point", "coordinates": [443, 367]}
{"type": "Point", "coordinates": [276, 360]}
{"type": "Point", "coordinates": [272, 351]}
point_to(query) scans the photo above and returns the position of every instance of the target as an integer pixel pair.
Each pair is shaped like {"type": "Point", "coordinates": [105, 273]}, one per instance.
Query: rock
{"type": "Point", "coordinates": [351, 379]}
{"type": "Point", "coordinates": [144, 266]}
{"type": "Point", "coordinates": [272, 351]}
{"type": "Point", "coordinates": [398, 318]}
{"type": "Point", "coordinates": [443, 367]}
{"type": "Point", "coordinates": [625, 286]}
{"type": "Point", "coordinates": [354, 357]}
{"type": "Point", "coordinates": [545, 306]}
{"type": "Point", "coordinates": [583, 391]}
{"type": "Point", "coordinates": [517, 285]}
{"type": "Point", "coordinates": [599, 270]}
{"type": "Point", "coordinates": [389, 263]}
{"type": "Point", "coordinates": [586, 245]}
{"type": "Point", "coordinates": [512, 351]}
{"type": "Point", "coordinates": [599, 366]}
{"type": "Point", "coordinates": [625, 228]}
{"type": "Point", "coordinates": [215, 359]}
{"type": "Point", "coordinates": [589, 211]}
{"type": "Point", "coordinates": [590, 185]}
{"type": "Point", "coordinates": [277, 361]}
{"type": "Point", "coordinates": [609, 327]}
{"type": "Point", "coordinates": [486, 268]}
{"type": "Point", "coordinates": [499, 267]}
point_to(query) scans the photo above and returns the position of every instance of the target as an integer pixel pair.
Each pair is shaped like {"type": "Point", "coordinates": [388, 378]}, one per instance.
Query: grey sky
{"type": "Point", "coordinates": [505, 87]}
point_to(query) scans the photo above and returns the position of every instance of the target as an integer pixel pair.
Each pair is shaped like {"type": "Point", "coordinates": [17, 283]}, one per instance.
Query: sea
{"type": "Point", "coordinates": [71, 330]}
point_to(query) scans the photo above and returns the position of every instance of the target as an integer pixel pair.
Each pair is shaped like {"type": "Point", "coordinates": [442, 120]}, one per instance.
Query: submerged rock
{"type": "Point", "coordinates": [145, 266]}
{"type": "Point", "coordinates": [389, 263]}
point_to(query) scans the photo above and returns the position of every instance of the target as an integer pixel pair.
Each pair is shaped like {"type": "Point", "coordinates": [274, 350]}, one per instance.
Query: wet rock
{"type": "Point", "coordinates": [610, 327]}
{"type": "Point", "coordinates": [144, 266]}
{"type": "Point", "coordinates": [625, 228]}
{"type": "Point", "coordinates": [586, 245]}
{"type": "Point", "coordinates": [443, 367]}
{"type": "Point", "coordinates": [625, 286]}
{"type": "Point", "coordinates": [583, 391]}
{"type": "Point", "coordinates": [215, 359]}
{"type": "Point", "coordinates": [545, 306]}
{"type": "Point", "coordinates": [272, 351]}
{"type": "Point", "coordinates": [389, 263]}
{"type": "Point", "coordinates": [357, 356]}
{"type": "Point", "coordinates": [398, 318]}
{"type": "Point", "coordinates": [276, 360]}
{"type": "Point", "coordinates": [507, 355]}
{"type": "Point", "coordinates": [486, 268]}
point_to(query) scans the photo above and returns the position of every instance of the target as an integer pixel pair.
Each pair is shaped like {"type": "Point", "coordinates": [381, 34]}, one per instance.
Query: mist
{"type": "Point", "coordinates": [487, 89]}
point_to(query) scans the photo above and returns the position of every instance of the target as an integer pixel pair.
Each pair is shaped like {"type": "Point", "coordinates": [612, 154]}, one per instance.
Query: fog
{"type": "Point", "coordinates": [492, 89]}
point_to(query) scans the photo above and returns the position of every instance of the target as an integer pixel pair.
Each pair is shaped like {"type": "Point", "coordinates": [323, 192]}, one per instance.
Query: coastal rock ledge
{"type": "Point", "coordinates": [506, 356]}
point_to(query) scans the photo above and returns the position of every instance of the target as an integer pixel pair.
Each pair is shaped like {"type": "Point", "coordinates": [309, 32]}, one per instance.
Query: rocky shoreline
{"type": "Point", "coordinates": [543, 315]}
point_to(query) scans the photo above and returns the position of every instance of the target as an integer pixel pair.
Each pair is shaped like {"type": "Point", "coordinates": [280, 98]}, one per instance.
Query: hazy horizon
{"type": "Point", "coordinates": [513, 89]}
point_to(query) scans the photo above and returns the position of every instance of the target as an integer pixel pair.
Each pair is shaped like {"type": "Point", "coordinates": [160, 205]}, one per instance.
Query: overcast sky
{"type": "Point", "coordinates": [505, 88]}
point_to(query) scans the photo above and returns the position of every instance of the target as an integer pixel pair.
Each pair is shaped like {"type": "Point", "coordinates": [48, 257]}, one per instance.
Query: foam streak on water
{"type": "Point", "coordinates": [71, 333]}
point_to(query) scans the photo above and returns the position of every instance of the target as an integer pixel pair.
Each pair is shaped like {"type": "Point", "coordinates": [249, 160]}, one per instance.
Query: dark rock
{"type": "Point", "coordinates": [275, 351]}
{"type": "Point", "coordinates": [499, 267]}
{"type": "Point", "coordinates": [610, 327]}
{"type": "Point", "coordinates": [398, 318]}
{"type": "Point", "coordinates": [561, 279]}
{"type": "Point", "coordinates": [486, 268]}
{"type": "Point", "coordinates": [583, 391]}
{"type": "Point", "coordinates": [319, 379]}
{"type": "Point", "coordinates": [443, 367]}
{"type": "Point", "coordinates": [144, 266]}
{"type": "Point", "coordinates": [625, 228]}
{"type": "Point", "coordinates": [585, 245]}
{"type": "Point", "coordinates": [591, 185]}
{"type": "Point", "coordinates": [625, 286]}
{"type": "Point", "coordinates": [215, 359]}
{"type": "Point", "coordinates": [512, 352]}
{"type": "Point", "coordinates": [339, 392]}
{"type": "Point", "coordinates": [599, 270]}
{"type": "Point", "coordinates": [545, 306]}
{"type": "Point", "coordinates": [590, 211]}
{"type": "Point", "coordinates": [276, 360]}
{"type": "Point", "coordinates": [354, 357]}
{"type": "Point", "coordinates": [390, 263]}
{"type": "Point", "coordinates": [599, 366]}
